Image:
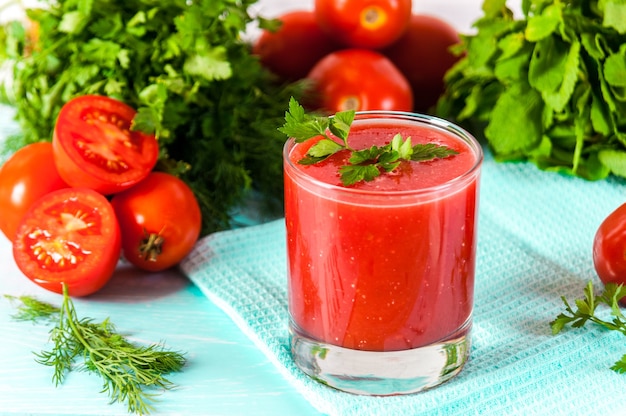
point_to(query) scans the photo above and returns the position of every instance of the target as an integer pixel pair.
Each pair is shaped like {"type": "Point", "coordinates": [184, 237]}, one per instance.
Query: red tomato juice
{"type": "Point", "coordinates": [385, 265]}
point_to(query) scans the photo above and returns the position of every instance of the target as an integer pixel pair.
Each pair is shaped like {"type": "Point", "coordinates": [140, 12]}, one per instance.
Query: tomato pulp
{"type": "Point", "coordinates": [70, 236]}
{"type": "Point", "coordinates": [96, 147]}
{"type": "Point", "coordinates": [386, 265]}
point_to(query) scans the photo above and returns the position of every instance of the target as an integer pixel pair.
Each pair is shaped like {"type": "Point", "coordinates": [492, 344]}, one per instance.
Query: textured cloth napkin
{"type": "Point", "coordinates": [535, 242]}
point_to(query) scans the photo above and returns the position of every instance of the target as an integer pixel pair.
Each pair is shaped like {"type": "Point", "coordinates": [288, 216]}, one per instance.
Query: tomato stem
{"type": "Point", "coordinates": [151, 246]}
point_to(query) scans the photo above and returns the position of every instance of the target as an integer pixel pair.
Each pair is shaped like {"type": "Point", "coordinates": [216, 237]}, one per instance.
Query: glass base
{"type": "Point", "coordinates": [381, 373]}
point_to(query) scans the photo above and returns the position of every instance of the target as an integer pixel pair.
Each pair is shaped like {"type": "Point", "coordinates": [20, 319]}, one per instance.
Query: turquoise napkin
{"type": "Point", "coordinates": [535, 237]}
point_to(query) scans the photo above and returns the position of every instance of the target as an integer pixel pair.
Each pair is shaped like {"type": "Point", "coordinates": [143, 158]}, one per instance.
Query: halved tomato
{"type": "Point", "coordinates": [95, 147]}
{"type": "Point", "coordinates": [69, 236]}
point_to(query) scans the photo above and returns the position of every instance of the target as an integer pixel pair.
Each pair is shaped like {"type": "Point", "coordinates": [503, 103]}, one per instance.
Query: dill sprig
{"type": "Point", "coordinates": [130, 373]}
{"type": "Point", "coordinates": [31, 309]}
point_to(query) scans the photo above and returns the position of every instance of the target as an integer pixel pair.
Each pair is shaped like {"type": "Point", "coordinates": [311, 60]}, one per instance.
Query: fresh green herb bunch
{"type": "Point", "coordinates": [549, 87]}
{"type": "Point", "coordinates": [130, 373]}
{"type": "Point", "coordinates": [364, 164]}
{"type": "Point", "coordinates": [183, 64]}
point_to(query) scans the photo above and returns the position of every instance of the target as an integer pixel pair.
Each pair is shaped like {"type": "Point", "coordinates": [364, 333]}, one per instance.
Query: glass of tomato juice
{"type": "Point", "coordinates": [381, 273]}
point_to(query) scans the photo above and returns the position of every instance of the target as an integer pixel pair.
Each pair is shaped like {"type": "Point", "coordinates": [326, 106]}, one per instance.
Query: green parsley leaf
{"type": "Point", "coordinates": [324, 148]}
{"type": "Point", "coordinates": [302, 126]}
{"type": "Point", "coordinates": [340, 125]}
{"type": "Point", "coordinates": [586, 312]}
{"type": "Point", "coordinates": [430, 151]}
{"type": "Point", "coordinates": [364, 164]}
{"type": "Point", "coordinates": [351, 174]}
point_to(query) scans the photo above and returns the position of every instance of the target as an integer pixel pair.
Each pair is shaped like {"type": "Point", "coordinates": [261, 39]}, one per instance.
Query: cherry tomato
{"type": "Point", "coordinates": [363, 23]}
{"type": "Point", "coordinates": [423, 55]}
{"type": "Point", "coordinates": [359, 79]}
{"type": "Point", "coordinates": [95, 148]}
{"type": "Point", "coordinates": [609, 248]}
{"type": "Point", "coordinates": [160, 218]}
{"type": "Point", "coordinates": [69, 236]}
{"type": "Point", "coordinates": [292, 50]}
{"type": "Point", "coordinates": [25, 177]}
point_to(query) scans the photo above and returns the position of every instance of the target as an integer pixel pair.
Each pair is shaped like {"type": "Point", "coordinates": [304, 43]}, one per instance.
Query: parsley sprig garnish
{"type": "Point", "coordinates": [364, 164]}
{"type": "Point", "coordinates": [130, 372]}
{"type": "Point", "coordinates": [586, 312]}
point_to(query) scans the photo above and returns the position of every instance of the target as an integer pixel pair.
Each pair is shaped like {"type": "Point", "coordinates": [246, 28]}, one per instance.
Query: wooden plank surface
{"type": "Point", "coordinates": [225, 375]}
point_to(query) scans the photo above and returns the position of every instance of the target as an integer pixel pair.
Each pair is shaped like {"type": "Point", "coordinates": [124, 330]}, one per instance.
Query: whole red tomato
{"type": "Point", "coordinates": [609, 248]}
{"type": "Point", "coordinates": [95, 147]}
{"type": "Point", "coordinates": [68, 236]}
{"type": "Point", "coordinates": [423, 55]}
{"type": "Point", "coordinates": [291, 51]}
{"type": "Point", "coordinates": [363, 23]}
{"type": "Point", "coordinates": [25, 177]}
{"type": "Point", "coordinates": [359, 79]}
{"type": "Point", "coordinates": [160, 218]}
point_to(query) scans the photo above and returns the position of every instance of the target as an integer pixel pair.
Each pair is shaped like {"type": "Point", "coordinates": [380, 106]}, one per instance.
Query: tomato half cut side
{"type": "Point", "coordinates": [69, 236]}
{"type": "Point", "coordinates": [95, 147]}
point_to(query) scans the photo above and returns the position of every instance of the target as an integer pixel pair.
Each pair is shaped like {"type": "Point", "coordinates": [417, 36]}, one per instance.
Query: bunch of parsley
{"type": "Point", "coordinates": [549, 87]}
{"type": "Point", "coordinates": [186, 68]}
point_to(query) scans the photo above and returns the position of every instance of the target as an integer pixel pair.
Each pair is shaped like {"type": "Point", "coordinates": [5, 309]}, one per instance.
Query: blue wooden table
{"type": "Point", "coordinates": [225, 375]}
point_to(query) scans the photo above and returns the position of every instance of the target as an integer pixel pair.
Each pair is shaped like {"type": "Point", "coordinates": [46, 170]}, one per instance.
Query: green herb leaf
{"type": "Point", "coordinates": [31, 309]}
{"type": "Point", "coordinates": [430, 151]}
{"type": "Point", "coordinates": [615, 15]}
{"type": "Point", "coordinates": [321, 150]}
{"type": "Point", "coordinates": [586, 312]}
{"type": "Point", "coordinates": [547, 86]}
{"type": "Point", "coordinates": [351, 174]}
{"type": "Point", "coordinates": [365, 164]}
{"type": "Point", "coordinates": [302, 126]}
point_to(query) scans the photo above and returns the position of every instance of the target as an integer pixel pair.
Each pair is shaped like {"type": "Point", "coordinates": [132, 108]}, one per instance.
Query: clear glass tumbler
{"type": "Point", "coordinates": [381, 273]}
